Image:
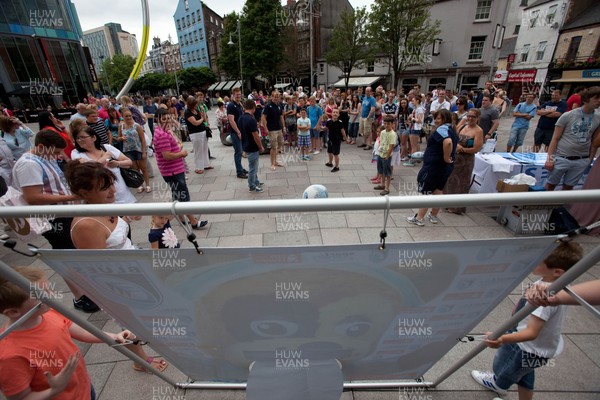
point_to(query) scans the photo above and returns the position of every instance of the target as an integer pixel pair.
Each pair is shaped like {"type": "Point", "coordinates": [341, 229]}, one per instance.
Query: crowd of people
{"type": "Point", "coordinates": [82, 163]}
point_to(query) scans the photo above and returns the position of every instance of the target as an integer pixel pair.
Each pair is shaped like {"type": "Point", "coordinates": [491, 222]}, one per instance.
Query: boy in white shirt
{"type": "Point", "coordinates": [537, 337]}
{"type": "Point", "coordinates": [303, 125]}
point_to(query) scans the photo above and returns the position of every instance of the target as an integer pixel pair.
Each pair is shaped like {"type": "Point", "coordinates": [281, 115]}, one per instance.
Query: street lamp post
{"type": "Point", "coordinates": [105, 72]}
{"type": "Point", "coordinates": [310, 34]}
{"type": "Point", "coordinates": [230, 43]}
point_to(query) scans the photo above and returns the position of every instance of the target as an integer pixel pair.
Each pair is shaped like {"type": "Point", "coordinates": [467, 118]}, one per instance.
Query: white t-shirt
{"type": "Point", "coordinates": [549, 342]}
{"type": "Point", "coordinates": [32, 170]}
{"type": "Point", "coordinates": [122, 193]}
{"type": "Point", "coordinates": [305, 122]}
{"type": "Point", "coordinates": [436, 105]}
{"type": "Point", "coordinates": [419, 113]}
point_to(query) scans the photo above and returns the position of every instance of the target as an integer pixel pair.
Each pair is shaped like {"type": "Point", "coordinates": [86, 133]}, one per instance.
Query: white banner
{"type": "Point", "coordinates": [384, 314]}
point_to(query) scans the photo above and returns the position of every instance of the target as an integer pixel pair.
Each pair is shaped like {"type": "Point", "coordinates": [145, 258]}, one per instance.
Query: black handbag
{"type": "Point", "coordinates": [208, 132]}
{"type": "Point", "coordinates": [132, 178]}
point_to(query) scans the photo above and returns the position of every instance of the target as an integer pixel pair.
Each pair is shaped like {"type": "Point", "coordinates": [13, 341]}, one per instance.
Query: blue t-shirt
{"type": "Point", "coordinates": [524, 108]}
{"type": "Point", "coordinates": [272, 113]}
{"type": "Point", "coordinates": [433, 159]}
{"type": "Point", "coordinates": [165, 237]}
{"type": "Point", "coordinates": [314, 112]}
{"type": "Point", "coordinates": [547, 123]}
{"type": "Point", "coordinates": [367, 104]}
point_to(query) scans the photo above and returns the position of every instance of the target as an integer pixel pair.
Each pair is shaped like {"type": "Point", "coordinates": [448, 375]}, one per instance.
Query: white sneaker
{"type": "Point", "coordinates": [317, 152]}
{"type": "Point", "coordinates": [487, 379]}
{"type": "Point", "coordinates": [4, 236]}
{"type": "Point", "coordinates": [432, 218]}
{"type": "Point", "coordinates": [413, 220]}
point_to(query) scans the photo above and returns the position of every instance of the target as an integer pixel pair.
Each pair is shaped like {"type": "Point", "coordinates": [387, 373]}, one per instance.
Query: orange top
{"type": "Point", "coordinates": [26, 354]}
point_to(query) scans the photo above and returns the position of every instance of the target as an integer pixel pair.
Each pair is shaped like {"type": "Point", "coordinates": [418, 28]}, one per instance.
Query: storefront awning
{"type": "Point", "coordinates": [213, 86]}
{"type": "Point", "coordinates": [579, 76]}
{"type": "Point", "coordinates": [231, 84]}
{"type": "Point", "coordinates": [358, 81]}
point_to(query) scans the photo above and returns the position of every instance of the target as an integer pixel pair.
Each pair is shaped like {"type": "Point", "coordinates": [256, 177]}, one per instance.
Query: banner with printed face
{"type": "Point", "coordinates": [384, 314]}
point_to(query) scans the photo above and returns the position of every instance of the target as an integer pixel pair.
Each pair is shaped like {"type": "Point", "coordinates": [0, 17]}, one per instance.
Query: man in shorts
{"type": "Point", "coordinates": [549, 114]}
{"type": "Point", "coordinates": [523, 113]}
{"type": "Point", "coordinates": [574, 143]}
{"type": "Point", "coordinates": [272, 121]}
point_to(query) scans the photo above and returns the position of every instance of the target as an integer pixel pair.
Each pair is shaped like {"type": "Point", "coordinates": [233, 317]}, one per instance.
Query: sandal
{"type": "Point", "coordinates": [140, 189]}
{"type": "Point", "coordinates": [210, 167]}
{"type": "Point", "coordinates": [148, 189]}
{"type": "Point", "coordinates": [199, 171]}
{"type": "Point", "coordinates": [160, 365]}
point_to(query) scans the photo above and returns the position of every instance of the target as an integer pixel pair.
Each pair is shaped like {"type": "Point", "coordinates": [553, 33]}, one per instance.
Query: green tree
{"type": "Point", "coordinates": [349, 45]}
{"type": "Point", "coordinates": [117, 69]}
{"type": "Point", "coordinates": [195, 77]}
{"type": "Point", "coordinates": [262, 39]}
{"type": "Point", "coordinates": [403, 31]}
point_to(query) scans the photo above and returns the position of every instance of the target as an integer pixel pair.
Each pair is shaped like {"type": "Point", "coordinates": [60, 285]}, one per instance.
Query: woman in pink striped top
{"type": "Point", "coordinates": [169, 153]}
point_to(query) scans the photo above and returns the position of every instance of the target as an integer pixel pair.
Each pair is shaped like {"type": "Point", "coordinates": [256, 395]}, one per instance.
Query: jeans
{"type": "Point", "coordinates": [179, 189]}
{"type": "Point", "coordinates": [237, 153]}
{"type": "Point", "coordinates": [353, 129]}
{"type": "Point", "coordinates": [253, 169]}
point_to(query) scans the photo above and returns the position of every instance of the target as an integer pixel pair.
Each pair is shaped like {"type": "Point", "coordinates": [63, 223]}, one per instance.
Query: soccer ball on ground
{"type": "Point", "coordinates": [315, 192]}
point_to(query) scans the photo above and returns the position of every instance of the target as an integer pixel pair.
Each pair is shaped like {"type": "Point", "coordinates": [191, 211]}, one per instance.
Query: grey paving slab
{"type": "Point", "coordinates": [433, 233]}
{"type": "Point", "coordinates": [99, 375]}
{"type": "Point", "coordinates": [314, 237]}
{"type": "Point", "coordinates": [291, 238]}
{"type": "Point", "coordinates": [220, 195]}
{"type": "Point", "coordinates": [255, 240]}
{"type": "Point", "coordinates": [483, 232]}
{"type": "Point", "coordinates": [337, 220]}
{"type": "Point", "coordinates": [588, 344]}
{"type": "Point", "coordinates": [231, 228]}
{"type": "Point", "coordinates": [339, 236]}
{"type": "Point", "coordinates": [367, 220]}
{"type": "Point", "coordinates": [259, 225]}
{"type": "Point", "coordinates": [198, 394]}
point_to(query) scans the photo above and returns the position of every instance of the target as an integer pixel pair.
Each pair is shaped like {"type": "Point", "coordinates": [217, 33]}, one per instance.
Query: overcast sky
{"type": "Point", "coordinates": [93, 14]}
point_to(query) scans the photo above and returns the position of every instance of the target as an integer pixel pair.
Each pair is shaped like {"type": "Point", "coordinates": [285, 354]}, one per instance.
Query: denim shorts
{"type": "Point", "coordinates": [517, 136]}
{"type": "Point", "coordinates": [384, 166]}
{"type": "Point", "coordinates": [513, 365]}
{"type": "Point", "coordinates": [314, 133]}
{"type": "Point", "coordinates": [134, 155]}
{"type": "Point", "coordinates": [570, 171]}
{"type": "Point", "coordinates": [415, 132]}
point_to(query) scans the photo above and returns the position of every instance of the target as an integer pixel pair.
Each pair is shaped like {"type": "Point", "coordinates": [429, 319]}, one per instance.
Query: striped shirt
{"type": "Point", "coordinates": [100, 130]}
{"type": "Point", "coordinates": [164, 141]}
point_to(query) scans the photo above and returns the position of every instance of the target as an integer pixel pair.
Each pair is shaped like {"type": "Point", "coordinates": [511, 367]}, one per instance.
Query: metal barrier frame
{"type": "Point", "coordinates": [339, 204]}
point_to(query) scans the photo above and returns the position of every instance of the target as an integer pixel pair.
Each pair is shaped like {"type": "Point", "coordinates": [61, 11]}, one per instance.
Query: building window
{"type": "Point", "coordinates": [371, 66]}
{"type": "Point", "coordinates": [573, 48]}
{"type": "Point", "coordinates": [187, 5]}
{"type": "Point", "coordinates": [321, 68]}
{"type": "Point", "coordinates": [551, 13]}
{"type": "Point", "coordinates": [539, 54]}
{"type": "Point", "coordinates": [195, 36]}
{"type": "Point", "coordinates": [188, 20]}
{"type": "Point", "coordinates": [523, 3]}
{"type": "Point", "coordinates": [193, 17]}
{"type": "Point", "coordinates": [517, 29]}
{"type": "Point", "coordinates": [181, 40]}
{"type": "Point", "coordinates": [484, 8]}
{"type": "Point", "coordinates": [201, 34]}
{"type": "Point", "coordinates": [433, 82]}
{"type": "Point", "coordinates": [178, 24]}
{"type": "Point", "coordinates": [533, 18]}
{"type": "Point", "coordinates": [524, 53]}
{"type": "Point", "coordinates": [476, 49]}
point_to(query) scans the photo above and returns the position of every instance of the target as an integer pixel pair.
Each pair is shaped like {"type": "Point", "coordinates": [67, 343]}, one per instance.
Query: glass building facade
{"type": "Point", "coordinates": [41, 59]}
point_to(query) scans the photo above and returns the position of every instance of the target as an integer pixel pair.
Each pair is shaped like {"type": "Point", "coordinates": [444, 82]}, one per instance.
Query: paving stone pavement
{"type": "Point", "coordinates": [574, 375]}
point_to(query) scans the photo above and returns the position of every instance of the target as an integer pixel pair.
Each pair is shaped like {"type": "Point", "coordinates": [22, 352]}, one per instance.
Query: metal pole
{"type": "Point", "coordinates": [239, 28]}
{"type": "Point", "coordinates": [10, 274]}
{"type": "Point", "coordinates": [347, 385]}
{"type": "Point", "coordinates": [306, 205]}
{"type": "Point", "coordinates": [310, 33]}
{"type": "Point", "coordinates": [577, 270]}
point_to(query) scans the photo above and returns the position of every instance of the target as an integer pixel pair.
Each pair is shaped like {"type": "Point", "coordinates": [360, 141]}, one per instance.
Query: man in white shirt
{"type": "Point", "coordinates": [439, 103]}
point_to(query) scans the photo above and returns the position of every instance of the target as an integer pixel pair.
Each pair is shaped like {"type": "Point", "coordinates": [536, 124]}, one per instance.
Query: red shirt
{"type": "Point", "coordinates": [574, 99]}
{"type": "Point", "coordinates": [26, 354]}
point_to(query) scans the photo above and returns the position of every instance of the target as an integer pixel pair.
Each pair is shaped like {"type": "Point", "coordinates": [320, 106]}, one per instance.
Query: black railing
{"type": "Point", "coordinates": [574, 63]}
